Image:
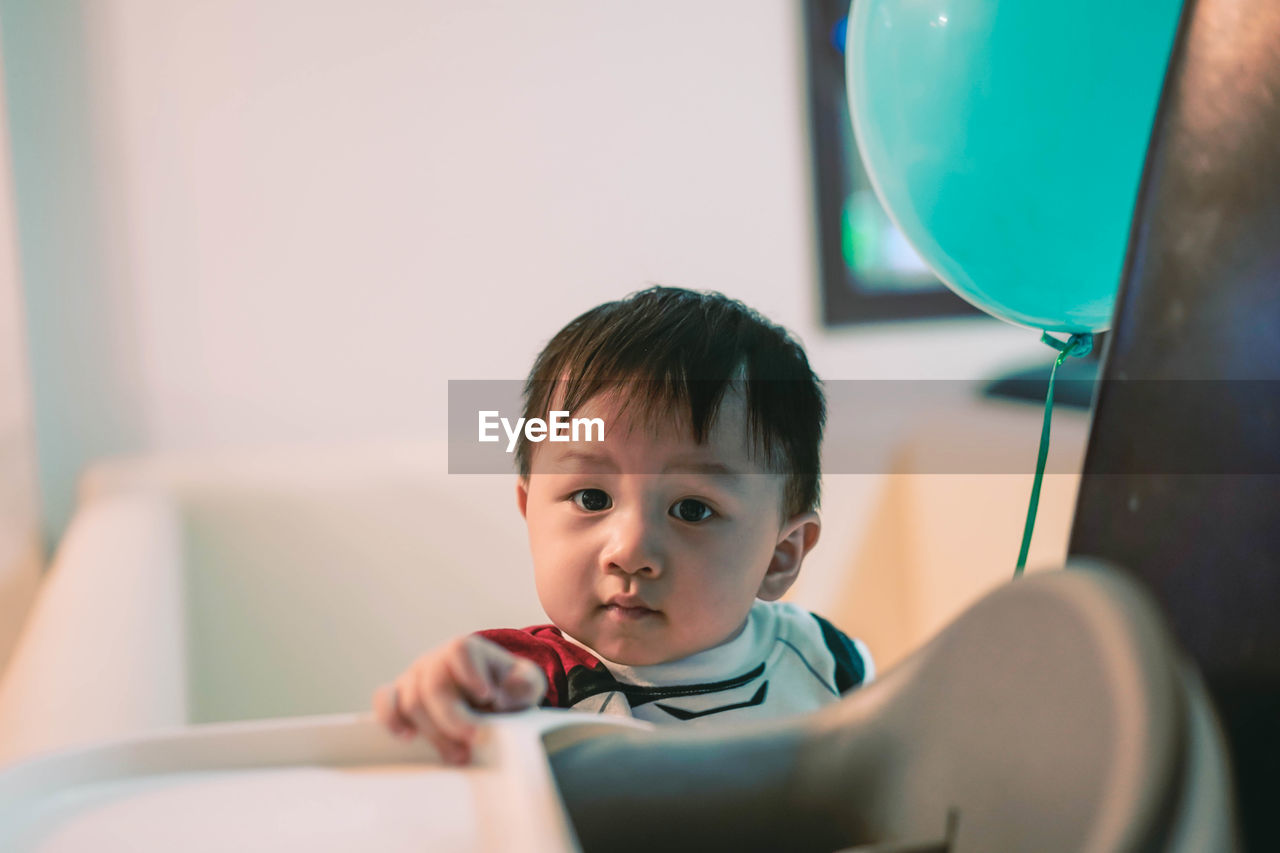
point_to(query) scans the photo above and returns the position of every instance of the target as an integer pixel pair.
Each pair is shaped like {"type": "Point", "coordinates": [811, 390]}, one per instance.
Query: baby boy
{"type": "Point", "coordinates": [660, 552]}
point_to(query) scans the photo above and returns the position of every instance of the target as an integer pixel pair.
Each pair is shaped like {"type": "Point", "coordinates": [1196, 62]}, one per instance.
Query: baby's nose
{"type": "Point", "coordinates": [634, 547]}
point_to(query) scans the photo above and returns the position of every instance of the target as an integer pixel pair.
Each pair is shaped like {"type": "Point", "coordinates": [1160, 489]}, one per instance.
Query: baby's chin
{"type": "Point", "coordinates": [642, 657]}
{"type": "Point", "coordinates": [632, 648]}
{"type": "Point", "coordinates": [640, 639]}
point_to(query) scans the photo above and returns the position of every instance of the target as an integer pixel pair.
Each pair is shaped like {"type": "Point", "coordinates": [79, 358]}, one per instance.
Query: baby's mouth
{"type": "Point", "coordinates": [628, 614]}
{"type": "Point", "coordinates": [628, 608]}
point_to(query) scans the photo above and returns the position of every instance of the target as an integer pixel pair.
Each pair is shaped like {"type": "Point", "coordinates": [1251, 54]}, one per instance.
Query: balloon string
{"type": "Point", "coordinates": [1077, 345]}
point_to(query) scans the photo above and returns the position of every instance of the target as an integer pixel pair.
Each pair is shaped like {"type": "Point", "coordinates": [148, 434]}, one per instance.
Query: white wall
{"type": "Point", "coordinates": [251, 221]}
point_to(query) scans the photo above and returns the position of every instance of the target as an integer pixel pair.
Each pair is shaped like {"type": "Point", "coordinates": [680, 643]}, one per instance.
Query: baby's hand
{"type": "Point", "coordinates": [436, 695]}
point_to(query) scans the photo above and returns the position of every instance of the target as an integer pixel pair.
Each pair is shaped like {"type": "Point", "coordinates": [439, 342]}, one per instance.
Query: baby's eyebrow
{"type": "Point", "coordinates": [693, 467]}
{"type": "Point", "coordinates": [677, 466]}
{"type": "Point", "coordinates": [597, 460]}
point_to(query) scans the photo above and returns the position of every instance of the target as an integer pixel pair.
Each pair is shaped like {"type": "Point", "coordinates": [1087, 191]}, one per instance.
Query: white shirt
{"type": "Point", "coordinates": [785, 661]}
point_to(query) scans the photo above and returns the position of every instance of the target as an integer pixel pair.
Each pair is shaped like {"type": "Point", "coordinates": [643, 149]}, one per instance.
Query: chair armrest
{"type": "Point", "coordinates": [103, 653]}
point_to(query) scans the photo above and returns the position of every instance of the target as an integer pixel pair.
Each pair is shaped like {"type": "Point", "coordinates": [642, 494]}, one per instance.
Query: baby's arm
{"type": "Point", "coordinates": [438, 694]}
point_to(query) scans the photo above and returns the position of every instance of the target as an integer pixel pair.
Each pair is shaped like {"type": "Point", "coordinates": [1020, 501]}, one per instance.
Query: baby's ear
{"type": "Point", "coordinates": [522, 496]}
{"type": "Point", "coordinates": [797, 538]}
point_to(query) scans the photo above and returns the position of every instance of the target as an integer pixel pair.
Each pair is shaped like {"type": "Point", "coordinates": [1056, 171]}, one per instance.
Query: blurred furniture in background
{"type": "Point", "coordinates": [250, 584]}
{"type": "Point", "coordinates": [21, 553]}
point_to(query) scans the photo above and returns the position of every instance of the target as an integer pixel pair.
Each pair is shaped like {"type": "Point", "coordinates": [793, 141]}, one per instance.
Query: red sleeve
{"type": "Point", "coordinates": [547, 647]}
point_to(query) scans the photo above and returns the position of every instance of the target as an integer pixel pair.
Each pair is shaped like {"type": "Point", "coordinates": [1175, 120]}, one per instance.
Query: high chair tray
{"type": "Point", "coordinates": [334, 783]}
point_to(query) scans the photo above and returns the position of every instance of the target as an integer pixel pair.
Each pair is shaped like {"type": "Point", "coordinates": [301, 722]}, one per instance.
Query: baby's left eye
{"type": "Point", "coordinates": [692, 510]}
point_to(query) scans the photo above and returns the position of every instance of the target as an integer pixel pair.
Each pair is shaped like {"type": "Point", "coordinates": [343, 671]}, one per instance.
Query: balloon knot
{"type": "Point", "coordinates": [1079, 344]}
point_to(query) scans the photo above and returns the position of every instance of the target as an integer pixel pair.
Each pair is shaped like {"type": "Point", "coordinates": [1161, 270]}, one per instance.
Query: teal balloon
{"type": "Point", "coordinates": [1006, 140]}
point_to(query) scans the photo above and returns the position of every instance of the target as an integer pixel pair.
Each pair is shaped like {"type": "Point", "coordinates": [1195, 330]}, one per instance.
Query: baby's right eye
{"type": "Point", "coordinates": [592, 500]}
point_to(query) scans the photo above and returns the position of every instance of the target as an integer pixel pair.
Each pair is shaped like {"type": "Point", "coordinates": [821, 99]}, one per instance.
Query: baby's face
{"type": "Point", "coordinates": [649, 547]}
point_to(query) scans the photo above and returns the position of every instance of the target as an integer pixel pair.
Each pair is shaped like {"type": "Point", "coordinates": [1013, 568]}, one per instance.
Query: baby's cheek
{"type": "Point", "coordinates": [563, 585]}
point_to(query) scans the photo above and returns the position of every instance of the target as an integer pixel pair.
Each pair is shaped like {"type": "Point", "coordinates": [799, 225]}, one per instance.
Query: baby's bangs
{"type": "Point", "coordinates": [647, 402]}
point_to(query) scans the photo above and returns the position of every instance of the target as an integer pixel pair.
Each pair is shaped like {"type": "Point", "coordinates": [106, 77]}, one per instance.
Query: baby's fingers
{"type": "Point", "coordinates": [442, 705]}
{"type": "Point", "coordinates": [387, 711]}
{"type": "Point", "coordinates": [451, 751]}
{"type": "Point", "coordinates": [523, 686]}
{"type": "Point", "coordinates": [466, 660]}
{"type": "Point", "coordinates": [454, 728]}
{"type": "Point", "coordinates": [452, 716]}
{"type": "Point", "coordinates": [439, 715]}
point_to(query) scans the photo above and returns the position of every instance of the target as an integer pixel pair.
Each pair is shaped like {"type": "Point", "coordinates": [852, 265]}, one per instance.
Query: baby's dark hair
{"type": "Point", "coordinates": [682, 350]}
